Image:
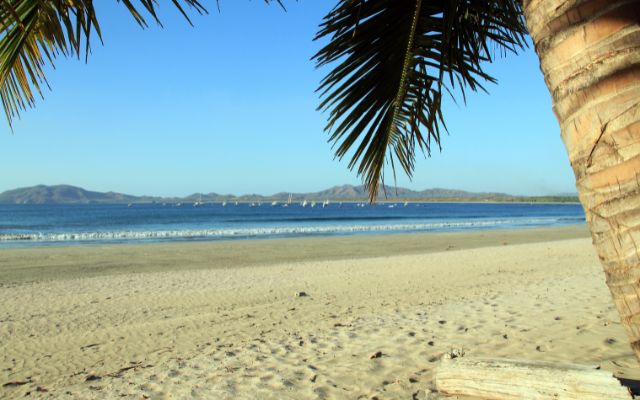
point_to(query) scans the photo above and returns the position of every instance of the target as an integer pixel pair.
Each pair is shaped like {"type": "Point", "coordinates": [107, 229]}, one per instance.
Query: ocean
{"type": "Point", "coordinates": [26, 225]}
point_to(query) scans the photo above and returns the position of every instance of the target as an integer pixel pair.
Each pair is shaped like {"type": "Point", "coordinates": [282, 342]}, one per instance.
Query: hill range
{"type": "Point", "coordinates": [66, 194]}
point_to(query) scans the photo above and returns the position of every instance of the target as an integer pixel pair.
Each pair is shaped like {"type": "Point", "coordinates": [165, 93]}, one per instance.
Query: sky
{"type": "Point", "coordinates": [229, 106]}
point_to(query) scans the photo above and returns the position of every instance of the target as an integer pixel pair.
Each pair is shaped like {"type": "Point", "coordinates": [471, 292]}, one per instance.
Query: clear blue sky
{"type": "Point", "coordinates": [229, 106]}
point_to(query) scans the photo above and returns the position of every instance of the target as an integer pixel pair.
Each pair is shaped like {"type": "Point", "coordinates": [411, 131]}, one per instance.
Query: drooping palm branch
{"type": "Point", "coordinates": [392, 61]}
{"type": "Point", "coordinates": [34, 32]}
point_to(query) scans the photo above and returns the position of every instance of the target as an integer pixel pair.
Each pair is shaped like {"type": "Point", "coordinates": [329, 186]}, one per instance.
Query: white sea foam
{"type": "Point", "coordinates": [228, 233]}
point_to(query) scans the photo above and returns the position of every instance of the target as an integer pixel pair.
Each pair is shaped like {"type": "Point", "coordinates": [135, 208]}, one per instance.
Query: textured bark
{"type": "Point", "coordinates": [589, 53]}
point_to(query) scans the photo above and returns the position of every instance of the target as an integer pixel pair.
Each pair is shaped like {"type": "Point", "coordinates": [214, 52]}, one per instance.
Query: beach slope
{"type": "Point", "coordinates": [365, 317]}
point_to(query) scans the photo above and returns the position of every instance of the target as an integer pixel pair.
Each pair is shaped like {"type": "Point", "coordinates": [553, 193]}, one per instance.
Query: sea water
{"type": "Point", "coordinates": [42, 225]}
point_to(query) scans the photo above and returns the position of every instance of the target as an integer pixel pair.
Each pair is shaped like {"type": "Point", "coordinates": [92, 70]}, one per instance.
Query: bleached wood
{"type": "Point", "coordinates": [503, 379]}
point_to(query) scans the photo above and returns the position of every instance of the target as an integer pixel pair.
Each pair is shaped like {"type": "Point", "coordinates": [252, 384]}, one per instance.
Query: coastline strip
{"type": "Point", "coordinates": [67, 262]}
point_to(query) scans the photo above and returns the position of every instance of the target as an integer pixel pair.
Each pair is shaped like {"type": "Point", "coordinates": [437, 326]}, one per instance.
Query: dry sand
{"type": "Point", "coordinates": [222, 321]}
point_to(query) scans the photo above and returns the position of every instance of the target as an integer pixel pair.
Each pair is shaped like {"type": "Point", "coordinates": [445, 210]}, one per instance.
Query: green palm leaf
{"type": "Point", "coordinates": [34, 32]}
{"type": "Point", "coordinates": [392, 60]}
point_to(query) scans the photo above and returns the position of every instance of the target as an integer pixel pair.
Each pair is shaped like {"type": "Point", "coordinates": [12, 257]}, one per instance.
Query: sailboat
{"type": "Point", "coordinates": [304, 203]}
{"type": "Point", "coordinates": [199, 202]}
{"type": "Point", "coordinates": [288, 201]}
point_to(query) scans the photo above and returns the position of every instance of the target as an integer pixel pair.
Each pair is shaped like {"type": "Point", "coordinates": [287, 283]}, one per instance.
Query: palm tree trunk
{"type": "Point", "coordinates": [589, 53]}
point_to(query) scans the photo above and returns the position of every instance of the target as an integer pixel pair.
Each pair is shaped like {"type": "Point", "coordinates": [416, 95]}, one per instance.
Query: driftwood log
{"type": "Point", "coordinates": [502, 379]}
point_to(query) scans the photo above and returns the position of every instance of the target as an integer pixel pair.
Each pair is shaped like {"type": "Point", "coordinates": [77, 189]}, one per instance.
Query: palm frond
{"type": "Point", "coordinates": [34, 32]}
{"type": "Point", "coordinates": [392, 61]}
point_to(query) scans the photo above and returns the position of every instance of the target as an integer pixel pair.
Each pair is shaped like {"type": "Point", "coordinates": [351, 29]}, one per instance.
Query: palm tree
{"type": "Point", "coordinates": [590, 55]}
{"type": "Point", "coordinates": [392, 61]}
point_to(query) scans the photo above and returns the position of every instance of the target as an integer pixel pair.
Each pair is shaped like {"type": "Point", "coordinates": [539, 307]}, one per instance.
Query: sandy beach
{"type": "Point", "coordinates": [225, 320]}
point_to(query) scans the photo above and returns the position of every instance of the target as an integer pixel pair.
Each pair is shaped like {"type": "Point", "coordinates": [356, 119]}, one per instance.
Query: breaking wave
{"type": "Point", "coordinates": [265, 232]}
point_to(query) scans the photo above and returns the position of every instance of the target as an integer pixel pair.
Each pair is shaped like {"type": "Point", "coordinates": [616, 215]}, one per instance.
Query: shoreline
{"type": "Point", "coordinates": [41, 263]}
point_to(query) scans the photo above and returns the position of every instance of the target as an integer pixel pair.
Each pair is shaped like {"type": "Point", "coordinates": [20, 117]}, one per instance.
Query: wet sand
{"type": "Point", "coordinates": [60, 262]}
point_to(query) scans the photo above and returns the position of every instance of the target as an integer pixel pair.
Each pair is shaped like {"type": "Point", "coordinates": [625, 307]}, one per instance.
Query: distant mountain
{"type": "Point", "coordinates": [65, 194]}
{"type": "Point", "coordinates": [348, 192]}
